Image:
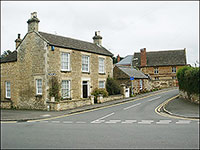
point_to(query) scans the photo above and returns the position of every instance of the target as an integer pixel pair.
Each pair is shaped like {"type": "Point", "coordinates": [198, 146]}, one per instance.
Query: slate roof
{"type": "Point", "coordinates": [131, 72]}
{"type": "Point", "coordinates": [70, 43]}
{"type": "Point", "coordinates": [126, 61]}
{"type": "Point", "coordinates": [10, 58]}
{"type": "Point", "coordinates": [162, 58]}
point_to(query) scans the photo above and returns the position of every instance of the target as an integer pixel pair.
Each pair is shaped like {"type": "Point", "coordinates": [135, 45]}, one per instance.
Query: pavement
{"type": "Point", "coordinates": [175, 107]}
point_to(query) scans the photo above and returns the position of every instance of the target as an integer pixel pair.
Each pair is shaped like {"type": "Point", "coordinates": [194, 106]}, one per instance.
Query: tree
{"type": "Point", "coordinates": [112, 86]}
{"type": "Point", "coordinates": [6, 53]}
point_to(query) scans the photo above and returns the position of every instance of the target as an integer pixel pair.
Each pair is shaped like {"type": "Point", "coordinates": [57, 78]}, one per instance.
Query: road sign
{"type": "Point", "coordinates": [131, 78]}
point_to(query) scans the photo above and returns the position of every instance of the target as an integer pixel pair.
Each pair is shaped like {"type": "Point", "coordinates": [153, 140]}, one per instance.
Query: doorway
{"type": "Point", "coordinates": [85, 89]}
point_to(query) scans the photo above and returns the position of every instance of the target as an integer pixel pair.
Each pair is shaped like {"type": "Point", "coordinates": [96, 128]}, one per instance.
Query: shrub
{"type": "Point", "coordinates": [96, 92]}
{"type": "Point", "coordinates": [54, 90]}
{"type": "Point", "coordinates": [188, 79]}
{"type": "Point", "coordinates": [112, 86]}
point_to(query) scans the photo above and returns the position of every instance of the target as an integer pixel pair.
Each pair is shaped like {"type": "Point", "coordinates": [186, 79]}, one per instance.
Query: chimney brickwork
{"type": "Point", "coordinates": [18, 41]}
{"type": "Point", "coordinates": [33, 22]}
{"type": "Point", "coordinates": [118, 58]}
{"type": "Point", "coordinates": [97, 39]}
{"type": "Point", "coordinates": [143, 57]}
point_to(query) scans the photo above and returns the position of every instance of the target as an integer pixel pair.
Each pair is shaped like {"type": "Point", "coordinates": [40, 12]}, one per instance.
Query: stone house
{"type": "Point", "coordinates": [123, 75]}
{"type": "Point", "coordinates": [80, 67]}
{"type": "Point", "coordinates": [161, 66]}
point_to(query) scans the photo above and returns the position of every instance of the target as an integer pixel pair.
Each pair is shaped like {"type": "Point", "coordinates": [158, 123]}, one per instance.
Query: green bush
{"type": "Point", "coordinates": [96, 92]}
{"type": "Point", "coordinates": [188, 79]}
{"type": "Point", "coordinates": [54, 90]}
{"type": "Point", "coordinates": [112, 86]}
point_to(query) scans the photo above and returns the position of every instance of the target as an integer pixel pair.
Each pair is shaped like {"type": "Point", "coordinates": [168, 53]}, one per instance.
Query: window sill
{"type": "Point", "coordinates": [102, 73]}
{"type": "Point", "coordinates": [6, 98]}
{"type": "Point", "coordinates": [86, 72]}
{"type": "Point", "coordinates": [38, 95]}
{"type": "Point", "coordinates": [65, 71]}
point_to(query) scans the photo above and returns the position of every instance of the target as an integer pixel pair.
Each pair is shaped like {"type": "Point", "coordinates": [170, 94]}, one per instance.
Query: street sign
{"type": "Point", "coordinates": [131, 78]}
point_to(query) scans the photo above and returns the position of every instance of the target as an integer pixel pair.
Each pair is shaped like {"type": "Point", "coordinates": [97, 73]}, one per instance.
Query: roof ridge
{"type": "Point", "coordinates": [67, 37]}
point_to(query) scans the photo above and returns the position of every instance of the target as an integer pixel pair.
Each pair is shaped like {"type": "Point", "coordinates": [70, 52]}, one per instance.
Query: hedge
{"type": "Point", "coordinates": [188, 79]}
{"type": "Point", "coordinates": [112, 86]}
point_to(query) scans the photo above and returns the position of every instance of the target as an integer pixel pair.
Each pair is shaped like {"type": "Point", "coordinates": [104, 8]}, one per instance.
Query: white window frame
{"type": "Point", "coordinates": [173, 69]}
{"type": "Point", "coordinates": [103, 84]}
{"type": "Point", "coordinates": [85, 63]}
{"type": "Point", "coordinates": [67, 88]}
{"type": "Point", "coordinates": [65, 61]}
{"type": "Point", "coordinates": [8, 89]}
{"type": "Point", "coordinates": [156, 70]}
{"type": "Point", "coordinates": [38, 87]}
{"type": "Point", "coordinates": [101, 65]}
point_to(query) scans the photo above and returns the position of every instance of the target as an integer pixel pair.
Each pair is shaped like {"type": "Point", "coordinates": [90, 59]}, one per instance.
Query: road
{"type": "Point", "coordinates": [128, 125]}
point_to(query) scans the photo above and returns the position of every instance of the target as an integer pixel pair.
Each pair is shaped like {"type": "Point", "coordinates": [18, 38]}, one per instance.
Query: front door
{"type": "Point", "coordinates": [85, 89]}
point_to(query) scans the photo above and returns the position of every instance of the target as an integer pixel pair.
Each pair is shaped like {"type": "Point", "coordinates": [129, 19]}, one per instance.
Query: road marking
{"type": "Point", "coordinates": [129, 121]}
{"type": "Point", "coordinates": [106, 116]}
{"type": "Point", "coordinates": [67, 121]}
{"type": "Point", "coordinates": [163, 122]}
{"type": "Point", "coordinates": [80, 122]}
{"type": "Point", "coordinates": [55, 121]}
{"type": "Point", "coordinates": [97, 121]}
{"type": "Point", "coordinates": [132, 106]}
{"type": "Point", "coordinates": [146, 122]}
{"type": "Point", "coordinates": [154, 99]}
{"type": "Point", "coordinates": [183, 122]}
{"type": "Point", "coordinates": [113, 121]}
{"type": "Point", "coordinates": [46, 115]}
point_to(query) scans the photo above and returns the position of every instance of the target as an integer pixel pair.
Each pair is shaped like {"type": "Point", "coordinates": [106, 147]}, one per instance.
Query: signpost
{"type": "Point", "coordinates": [131, 78]}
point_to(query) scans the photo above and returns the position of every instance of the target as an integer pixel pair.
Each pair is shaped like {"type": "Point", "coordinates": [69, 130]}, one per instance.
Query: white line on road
{"type": "Point", "coordinates": [112, 121]}
{"type": "Point", "coordinates": [154, 99]}
{"type": "Point", "coordinates": [131, 106]}
{"type": "Point", "coordinates": [183, 122]}
{"type": "Point", "coordinates": [67, 122]}
{"type": "Point", "coordinates": [106, 116]}
{"type": "Point", "coordinates": [146, 122]}
{"type": "Point", "coordinates": [55, 121]}
{"type": "Point", "coordinates": [129, 121]}
{"type": "Point", "coordinates": [80, 122]}
{"type": "Point", "coordinates": [163, 122]}
{"type": "Point", "coordinates": [103, 117]}
{"type": "Point", "coordinates": [97, 121]}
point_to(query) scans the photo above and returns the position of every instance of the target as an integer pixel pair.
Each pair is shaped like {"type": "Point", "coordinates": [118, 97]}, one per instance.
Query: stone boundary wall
{"type": "Point", "coordinates": [6, 104]}
{"type": "Point", "coordinates": [194, 98]}
{"type": "Point", "coordinates": [69, 104]}
{"type": "Point", "coordinates": [101, 99]}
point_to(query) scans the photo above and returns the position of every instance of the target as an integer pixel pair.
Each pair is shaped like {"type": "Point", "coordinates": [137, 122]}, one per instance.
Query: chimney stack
{"type": "Point", "coordinates": [118, 58]}
{"type": "Point", "coordinates": [33, 22]}
{"type": "Point", "coordinates": [97, 39]}
{"type": "Point", "coordinates": [18, 41]}
{"type": "Point", "coordinates": [143, 57]}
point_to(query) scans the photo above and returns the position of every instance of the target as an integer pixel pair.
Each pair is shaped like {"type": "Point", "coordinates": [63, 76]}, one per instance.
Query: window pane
{"type": "Point", "coordinates": [85, 63]}
{"type": "Point", "coordinates": [39, 86]}
{"type": "Point", "coordinates": [65, 89]}
{"type": "Point", "coordinates": [8, 90]}
{"type": "Point", "coordinates": [65, 57]}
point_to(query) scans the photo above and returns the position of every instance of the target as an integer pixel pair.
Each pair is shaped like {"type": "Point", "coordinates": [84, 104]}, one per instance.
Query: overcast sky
{"type": "Point", "coordinates": [126, 27]}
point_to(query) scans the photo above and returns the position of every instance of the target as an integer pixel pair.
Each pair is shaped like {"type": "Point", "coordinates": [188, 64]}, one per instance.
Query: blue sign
{"type": "Point", "coordinates": [131, 78]}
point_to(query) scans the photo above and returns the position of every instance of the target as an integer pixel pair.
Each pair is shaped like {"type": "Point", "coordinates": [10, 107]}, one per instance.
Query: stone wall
{"type": "Point", "coordinates": [194, 98]}
{"type": "Point", "coordinates": [9, 72]}
{"type": "Point", "coordinates": [31, 65]}
{"type": "Point", "coordinates": [68, 104]}
{"type": "Point", "coordinates": [6, 104]}
{"type": "Point", "coordinates": [109, 98]}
